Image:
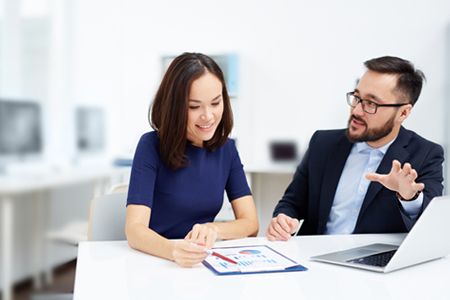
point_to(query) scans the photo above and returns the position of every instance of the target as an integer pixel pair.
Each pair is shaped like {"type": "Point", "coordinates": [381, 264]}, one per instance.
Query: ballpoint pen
{"type": "Point", "coordinates": [223, 257]}
{"type": "Point", "coordinates": [300, 222]}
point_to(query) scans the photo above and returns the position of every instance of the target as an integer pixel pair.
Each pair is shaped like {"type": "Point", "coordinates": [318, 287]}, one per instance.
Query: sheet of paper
{"type": "Point", "coordinates": [249, 259]}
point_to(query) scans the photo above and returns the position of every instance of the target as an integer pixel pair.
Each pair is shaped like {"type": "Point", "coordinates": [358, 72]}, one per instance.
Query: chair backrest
{"type": "Point", "coordinates": [120, 188]}
{"type": "Point", "coordinates": [107, 218]}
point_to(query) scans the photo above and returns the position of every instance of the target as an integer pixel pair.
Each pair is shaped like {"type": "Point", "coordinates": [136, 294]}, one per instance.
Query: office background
{"type": "Point", "coordinates": [296, 60]}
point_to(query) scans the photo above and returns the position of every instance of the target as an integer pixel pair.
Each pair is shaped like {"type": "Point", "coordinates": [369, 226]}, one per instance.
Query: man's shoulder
{"type": "Point", "coordinates": [328, 136]}
{"type": "Point", "coordinates": [414, 139]}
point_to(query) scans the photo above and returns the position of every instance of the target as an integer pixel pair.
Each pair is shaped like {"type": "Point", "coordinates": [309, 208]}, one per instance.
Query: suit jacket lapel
{"type": "Point", "coordinates": [333, 171]}
{"type": "Point", "coordinates": [396, 151]}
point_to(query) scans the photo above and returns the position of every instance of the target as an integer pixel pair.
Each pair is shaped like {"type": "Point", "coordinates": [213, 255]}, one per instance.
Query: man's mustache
{"type": "Point", "coordinates": [358, 119]}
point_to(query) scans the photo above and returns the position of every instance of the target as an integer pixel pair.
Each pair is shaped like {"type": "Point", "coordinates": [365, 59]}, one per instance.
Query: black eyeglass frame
{"type": "Point", "coordinates": [364, 102]}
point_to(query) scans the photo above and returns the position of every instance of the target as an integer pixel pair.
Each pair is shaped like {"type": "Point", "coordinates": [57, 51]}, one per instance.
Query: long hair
{"type": "Point", "coordinates": [168, 114]}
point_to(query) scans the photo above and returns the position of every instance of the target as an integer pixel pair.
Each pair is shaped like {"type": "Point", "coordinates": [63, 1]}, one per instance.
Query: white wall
{"type": "Point", "coordinates": [297, 60]}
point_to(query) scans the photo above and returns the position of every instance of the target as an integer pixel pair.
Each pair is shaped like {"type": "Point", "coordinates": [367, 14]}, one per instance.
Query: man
{"type": "Point", "coordinates": [339, 188]}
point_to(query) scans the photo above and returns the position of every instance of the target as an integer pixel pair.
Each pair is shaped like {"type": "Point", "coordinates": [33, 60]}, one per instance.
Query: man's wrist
{"type": "Point", "coordinates": [414, 197]}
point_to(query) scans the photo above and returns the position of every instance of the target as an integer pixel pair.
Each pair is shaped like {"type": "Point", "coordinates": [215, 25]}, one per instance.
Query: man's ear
{"type": "Point", "coordinates": [405, 111]}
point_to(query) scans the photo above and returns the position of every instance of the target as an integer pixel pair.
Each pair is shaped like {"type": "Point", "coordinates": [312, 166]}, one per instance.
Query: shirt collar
{"type": "Point", "coordinates": [364, 147]}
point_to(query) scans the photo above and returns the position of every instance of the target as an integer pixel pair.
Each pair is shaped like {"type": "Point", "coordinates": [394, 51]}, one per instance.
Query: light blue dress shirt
{"type": "Point", "coordinates": [352, 189]}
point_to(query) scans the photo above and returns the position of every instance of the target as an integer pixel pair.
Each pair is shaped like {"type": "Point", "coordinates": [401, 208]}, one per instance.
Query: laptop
{"type": "Point", "coordinates": [429, 239]}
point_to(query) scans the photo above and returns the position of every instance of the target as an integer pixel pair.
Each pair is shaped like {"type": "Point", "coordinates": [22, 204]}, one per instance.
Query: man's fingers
{"type": "Point", "coordinates": [272, 235]}
{"type": "Point", "coordinates": [285, 235]}
{"type": "Point", "coordinates": [407, 168]}
{"type": "Point", "coordinates": [396, 166]}
{"type": "Point", "coordinates": [412, 175]}
{"type": "Point", "coordinates": [375, 177]}
{"type": "Point", "coordinates": [419, 186]}
{"type": "Point", "coordinates": [401, 180]}
{"type": "Point", "coordinates": [281, 227]}
{"type": "Point", "coordinates": [293, 224]}
{"type": "Point", "coordinates": [283, 221]}
{"type": "Point", "coordinates": [276, 232]}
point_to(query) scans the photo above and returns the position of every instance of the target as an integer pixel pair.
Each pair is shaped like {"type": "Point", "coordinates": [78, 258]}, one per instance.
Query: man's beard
{"type": "Point", "coordinates": [370, 135]}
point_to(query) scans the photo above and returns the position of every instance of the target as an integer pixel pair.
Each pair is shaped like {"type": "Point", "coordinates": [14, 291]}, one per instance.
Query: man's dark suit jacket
{"type": "Point", "coordinates": [310, 194]}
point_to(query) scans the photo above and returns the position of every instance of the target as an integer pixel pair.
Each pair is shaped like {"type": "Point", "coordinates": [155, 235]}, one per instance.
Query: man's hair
{"type": "Point", "coordinates": [168, 114]}
{"type": "Point", "coordinates": [410, 80]}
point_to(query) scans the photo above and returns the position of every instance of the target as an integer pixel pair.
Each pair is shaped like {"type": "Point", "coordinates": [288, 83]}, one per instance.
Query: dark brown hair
{"type": "Point", "coordinates": [168, 114]}
{"type": "Point", "coordinates": [410, 80]}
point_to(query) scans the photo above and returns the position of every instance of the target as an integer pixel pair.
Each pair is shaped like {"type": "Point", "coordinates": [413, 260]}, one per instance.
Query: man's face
{"type": "Point", "coordinates": [383, 126]}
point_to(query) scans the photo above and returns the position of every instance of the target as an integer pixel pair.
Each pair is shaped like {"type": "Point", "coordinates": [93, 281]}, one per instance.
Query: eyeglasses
{"type": "Point", "coordinates": [368, 106]}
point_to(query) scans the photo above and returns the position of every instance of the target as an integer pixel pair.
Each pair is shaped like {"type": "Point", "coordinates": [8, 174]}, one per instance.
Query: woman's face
{"type": "Point", "coordinates": [205, 108]}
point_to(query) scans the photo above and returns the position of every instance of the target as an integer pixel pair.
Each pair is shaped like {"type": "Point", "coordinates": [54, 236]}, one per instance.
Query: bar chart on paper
{"type": "Point", "coordinates": [250, 259]}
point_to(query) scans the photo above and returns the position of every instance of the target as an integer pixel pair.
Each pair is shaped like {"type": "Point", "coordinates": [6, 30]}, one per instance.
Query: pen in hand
{"type": "Point", "coordinates": [213, 253]}
{"type": "Point", "coordinates": [300, 223]}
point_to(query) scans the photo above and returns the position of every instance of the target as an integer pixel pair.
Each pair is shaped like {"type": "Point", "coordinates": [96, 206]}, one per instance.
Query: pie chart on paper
{"type": "Point", "coordinates": [249, 251]}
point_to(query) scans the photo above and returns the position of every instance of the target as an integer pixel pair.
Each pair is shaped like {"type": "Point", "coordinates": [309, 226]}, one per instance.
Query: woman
{"type": "Point", "coordinates": [181, 169]}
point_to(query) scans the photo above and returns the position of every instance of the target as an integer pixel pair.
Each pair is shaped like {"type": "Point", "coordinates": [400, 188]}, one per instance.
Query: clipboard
{"type": "Point", "coordinates": [253, 259]}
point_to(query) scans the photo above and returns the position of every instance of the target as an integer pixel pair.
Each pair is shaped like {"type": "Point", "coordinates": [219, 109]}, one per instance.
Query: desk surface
{"type": "Point", "coordinates": [111, 270]}
{"type": "Point", "coordinates": [23, 183]}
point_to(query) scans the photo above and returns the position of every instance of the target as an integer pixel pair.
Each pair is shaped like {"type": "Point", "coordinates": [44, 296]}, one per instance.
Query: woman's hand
{"type": "Point", "coordinates": [192, 250]}
{"type": "Point", "coordinates": [203, 234]}
{"type": "Point", "coordinates": [186, 253]}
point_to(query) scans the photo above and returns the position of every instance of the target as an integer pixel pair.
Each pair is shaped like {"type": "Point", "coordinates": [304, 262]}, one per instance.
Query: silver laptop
{"type": "Point", "coordinates": [429, 239]}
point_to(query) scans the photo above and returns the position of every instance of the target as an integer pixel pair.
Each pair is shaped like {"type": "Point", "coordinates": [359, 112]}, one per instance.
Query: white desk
{"type": "Point", "coordinates": [111, 270]}
{"type": "Point", "coordinates": [20, 184]}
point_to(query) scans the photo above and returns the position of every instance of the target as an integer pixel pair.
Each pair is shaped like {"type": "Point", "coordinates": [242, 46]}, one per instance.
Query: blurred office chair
{"type": "Point", "coordinates": [107, 217]}
{"type": "Point", "coordinates": [72, 233]}
{"type": "Point", "coordinates": [78, 231]}
{"type": "Point", "coordinates": [106, 222]}
{"type": "Point", "coordinates": [119, 188]}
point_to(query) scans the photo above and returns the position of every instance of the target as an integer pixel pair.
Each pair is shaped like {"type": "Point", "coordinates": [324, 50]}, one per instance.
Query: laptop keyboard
{"type": "Point", "coordinates": [379, 259]}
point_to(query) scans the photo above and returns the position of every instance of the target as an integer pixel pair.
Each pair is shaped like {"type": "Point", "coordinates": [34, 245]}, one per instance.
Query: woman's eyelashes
{"type": "Point", "coordinates": [198, 106]}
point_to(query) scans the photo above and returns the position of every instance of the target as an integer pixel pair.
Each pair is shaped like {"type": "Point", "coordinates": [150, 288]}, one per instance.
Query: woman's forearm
{"type": "Point", "coordinates": [141, 238]}
{"type": "Point", "coordinates": [246, 223]}
{"type": "Point", "coordinates": [236, 229]}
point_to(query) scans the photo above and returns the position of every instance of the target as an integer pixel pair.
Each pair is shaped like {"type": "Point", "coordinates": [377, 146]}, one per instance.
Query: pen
{"type": "Point", "coordinates": [300, 222]}
{"type": "Point", "coordinates": [223, 257]}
